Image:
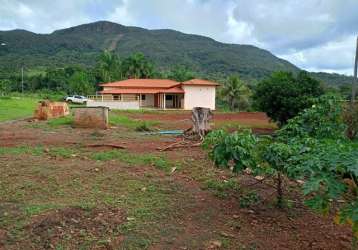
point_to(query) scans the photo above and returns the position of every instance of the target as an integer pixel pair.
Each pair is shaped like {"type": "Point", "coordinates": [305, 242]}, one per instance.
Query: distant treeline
{"type": "Point", "coordinates": [234, 94]}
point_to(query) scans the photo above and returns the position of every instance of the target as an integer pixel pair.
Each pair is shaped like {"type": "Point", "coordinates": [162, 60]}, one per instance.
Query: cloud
{"type": "Point", "coordinates": [313, 34]}
{"type": "Point", "coordinates": [290, 25]}
{"type": "Point", "coordinates": [336, 56]}
{"type": "Point", "coordinates": [45, 16]}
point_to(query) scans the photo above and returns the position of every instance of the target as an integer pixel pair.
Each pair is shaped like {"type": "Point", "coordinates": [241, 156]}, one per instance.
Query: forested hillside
{"type": "Point", "coordinates": [166, 48]}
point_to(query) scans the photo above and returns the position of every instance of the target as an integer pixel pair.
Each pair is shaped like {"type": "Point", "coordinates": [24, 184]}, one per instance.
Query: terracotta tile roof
{"type": "Point", "coordinates": [143, 83]}
{"type": "Point", "coordinates": [130, 91]}
{"type": "Point", "coordinates": [175, 90]}
{"type": "Point", "coordinates": [200, 82]}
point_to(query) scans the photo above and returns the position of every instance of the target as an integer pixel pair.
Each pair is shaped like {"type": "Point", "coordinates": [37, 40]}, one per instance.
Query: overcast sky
{"type": "Point", "coordinates": [317, 35]}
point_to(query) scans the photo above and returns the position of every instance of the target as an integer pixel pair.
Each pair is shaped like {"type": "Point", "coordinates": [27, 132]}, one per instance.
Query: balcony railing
{"type": "Point", "coordinates": [113, 98]}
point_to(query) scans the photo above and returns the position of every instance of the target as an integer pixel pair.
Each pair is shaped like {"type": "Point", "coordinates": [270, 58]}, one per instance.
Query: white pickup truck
{"type": "Point", "coordinates": [76, 99]}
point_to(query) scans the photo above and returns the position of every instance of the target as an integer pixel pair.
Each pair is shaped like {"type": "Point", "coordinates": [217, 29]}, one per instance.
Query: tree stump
{"type": "Point", "coordinates": [200, 118]}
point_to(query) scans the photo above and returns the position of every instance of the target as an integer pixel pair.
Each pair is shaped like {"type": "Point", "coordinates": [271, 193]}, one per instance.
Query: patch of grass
{"type": "Point", "coordinates": [17, 107]}
{"type": "Point", "coordinates": [125, 121]}
{"type": "Point", "coordinates": [62, 121]}
{"type": "Point", "coordinates": [159, 162]}
{"type": "Point", "coordinates": [62, 152]}
{"type": "Point", "coordinates": [37, 150]}
{"type": "Point", "coordinates": [31, 210]}
{"type": "Point", "coordinates": [222, 188]}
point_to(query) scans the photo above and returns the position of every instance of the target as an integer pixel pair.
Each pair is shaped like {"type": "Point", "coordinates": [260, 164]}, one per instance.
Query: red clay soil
{"type": "Point", "coordinates": [205, 220]}
{"type": "Point", "coordinates": [182, 120]}
{"type": "Point", "coordinates": [48, 229]}
{"type": "Point", "coordinates": [176, 116]}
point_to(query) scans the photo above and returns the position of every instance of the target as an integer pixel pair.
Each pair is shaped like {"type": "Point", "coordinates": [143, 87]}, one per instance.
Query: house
{"type": "Point", "coordinates": [156, 93]}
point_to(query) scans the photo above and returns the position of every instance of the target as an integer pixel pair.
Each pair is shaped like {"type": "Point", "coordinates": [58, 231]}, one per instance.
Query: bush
{"type": "Point", "coordinates": [311, 147]}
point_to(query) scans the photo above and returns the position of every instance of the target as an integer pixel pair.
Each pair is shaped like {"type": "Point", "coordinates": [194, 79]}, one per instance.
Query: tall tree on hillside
{"type": "Point", "coordinates": [181, 74]}
{"type": "Point", "coordinates": [282, 96]}
{"type": "Point", "coordinates": [108, 67]}
{"type": "Point", "coordinates": [236, 93]}
{"type": "Point", "coordinates": [137, 66]}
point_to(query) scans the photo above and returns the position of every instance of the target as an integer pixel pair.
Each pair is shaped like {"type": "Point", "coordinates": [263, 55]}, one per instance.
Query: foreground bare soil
{"type": "Point", "coordinates": [57, 192]}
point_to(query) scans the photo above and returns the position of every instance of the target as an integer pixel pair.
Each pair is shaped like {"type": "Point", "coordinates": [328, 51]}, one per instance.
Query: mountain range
{"type": "Point", "coordinates": [166, 48]}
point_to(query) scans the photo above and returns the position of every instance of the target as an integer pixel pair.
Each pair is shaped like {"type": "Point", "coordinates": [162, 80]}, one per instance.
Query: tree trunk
{"type": "Point", "coordinates": [279, 190]}
{"type": "Point", "coordinates": [200, 118]}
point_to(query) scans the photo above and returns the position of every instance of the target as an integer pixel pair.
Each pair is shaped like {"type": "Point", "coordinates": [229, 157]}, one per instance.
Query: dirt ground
{"type": "Point", "coordinates": [58, 192]}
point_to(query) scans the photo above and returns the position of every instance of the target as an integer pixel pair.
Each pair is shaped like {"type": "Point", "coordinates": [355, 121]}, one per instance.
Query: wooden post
{"type": "Point", "coordinates": [355, 76]}
{"type": "Point", "coordinates": [164, 101]}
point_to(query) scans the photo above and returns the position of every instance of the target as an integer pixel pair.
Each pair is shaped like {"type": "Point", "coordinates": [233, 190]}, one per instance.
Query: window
{"type": "Point", "coordinates": [168, 97]}
{"type": "Point", "coordinates": [143, 97]}
{"type": "Point", "coordinates": [116, 97]}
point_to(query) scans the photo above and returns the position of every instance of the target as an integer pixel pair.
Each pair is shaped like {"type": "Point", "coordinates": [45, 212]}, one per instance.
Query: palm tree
{"type": "Point", "coordinates": [137, 66]}
{"type": "Point", "coordinates": [236, 93]}
{"type": "Point", "coordinates": [109, 66]}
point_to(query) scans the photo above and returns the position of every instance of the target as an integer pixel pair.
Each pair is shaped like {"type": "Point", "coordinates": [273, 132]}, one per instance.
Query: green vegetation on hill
{"type": "Point", "coordinates": [81, 45]}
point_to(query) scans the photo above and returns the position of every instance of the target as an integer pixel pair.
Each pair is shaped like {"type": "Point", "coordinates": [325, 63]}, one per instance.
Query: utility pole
{"type": "Point", "coordinates": [22, 79]}
{"type": "Point", "coordinates": [354, 83]}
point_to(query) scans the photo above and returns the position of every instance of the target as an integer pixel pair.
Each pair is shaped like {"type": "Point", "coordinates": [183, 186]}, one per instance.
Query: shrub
{"type": "Point", "coordinates": [312, 147]}
{"type": "Point", "coordinates": [143, 127]}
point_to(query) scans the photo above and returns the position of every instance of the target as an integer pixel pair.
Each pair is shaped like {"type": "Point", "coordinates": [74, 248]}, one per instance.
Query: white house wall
{"type": "Point", "coordinates": [199, 96]}
{"type": "Point", "coordinates": [114, 104]}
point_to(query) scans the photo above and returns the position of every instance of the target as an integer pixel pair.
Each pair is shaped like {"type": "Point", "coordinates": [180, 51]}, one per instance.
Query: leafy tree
{"type": "Point", "coordinates": [322, 120]}
{"type": "Point", "coordinates": [108, 67]}
{"type": "Point", "coordinates": [181, 74]}
{"type": "Point", "coordinates": [241, 150]}
{"type": "Point", "coordinates": [282, 96]}
{"type": "Point", "coordinates": [236, 93]}
{"type": "Point", "coordinates": [5, 87]}
{"type": "Point", "coordinates": [79, 83]}
{"type": "Point", "coordinates": [235, 151]}
{"type": "Point", "coordinates": [137, 66]}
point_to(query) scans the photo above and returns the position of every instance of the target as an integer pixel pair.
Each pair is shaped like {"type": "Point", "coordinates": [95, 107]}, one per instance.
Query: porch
{"type": "Point", "coordinates": [137, 101]}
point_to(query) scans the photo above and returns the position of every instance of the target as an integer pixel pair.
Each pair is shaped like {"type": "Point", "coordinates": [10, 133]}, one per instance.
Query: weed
{"type": "Point", "coordinates": [249, 199]}
{"type": "Point", "coordinates": [143, 127]}
{"type": "Point", "coordinates": [222, 188]}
